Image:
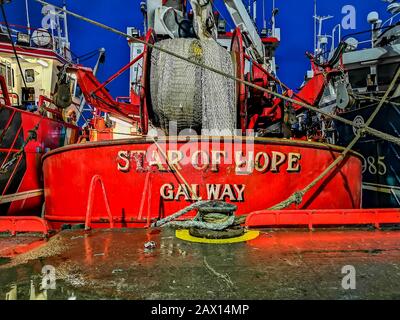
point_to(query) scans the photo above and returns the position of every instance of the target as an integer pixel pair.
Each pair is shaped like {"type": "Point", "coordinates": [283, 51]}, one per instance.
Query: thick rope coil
{"type": "Point", "coordinates": [180, 213]}
{"type": "Point", "coordinates": [208, 219]}
{"type": "Point", "coordinates": [215, 226]}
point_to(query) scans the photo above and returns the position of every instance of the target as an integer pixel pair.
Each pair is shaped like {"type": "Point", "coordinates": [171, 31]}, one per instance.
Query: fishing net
{"type": "Point", "coordinates": [188, 95]}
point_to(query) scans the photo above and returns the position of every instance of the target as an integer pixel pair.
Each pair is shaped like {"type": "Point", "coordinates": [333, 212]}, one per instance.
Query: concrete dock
{"type": "Point", "coordinates": [280, 264]}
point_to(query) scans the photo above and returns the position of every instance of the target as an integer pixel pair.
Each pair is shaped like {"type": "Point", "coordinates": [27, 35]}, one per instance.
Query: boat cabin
{"type": "Point", "coordinates": [41, 57]}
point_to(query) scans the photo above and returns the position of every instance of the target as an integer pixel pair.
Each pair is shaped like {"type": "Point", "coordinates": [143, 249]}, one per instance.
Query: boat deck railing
{"type": "Point", "coordinates": [58, 44]}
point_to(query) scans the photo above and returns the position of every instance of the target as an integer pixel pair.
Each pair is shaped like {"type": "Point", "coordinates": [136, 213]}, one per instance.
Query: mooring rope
{"type": "Point", "coordinates": [220, 221]}
{"type": "Point", "coordinates": [207, 220]}
{"type": "Point", "coordinates": [180, 213]}
{"type": "Point", "coordinates": [220, 225]}
{"type": "Point", "coordinates": [297, 197]}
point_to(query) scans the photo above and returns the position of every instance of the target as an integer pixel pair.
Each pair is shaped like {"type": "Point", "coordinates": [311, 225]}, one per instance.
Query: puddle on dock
{"type": "Point", "coordinates": [285, 264]}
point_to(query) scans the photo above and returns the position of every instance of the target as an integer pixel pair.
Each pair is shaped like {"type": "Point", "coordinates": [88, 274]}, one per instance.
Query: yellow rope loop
{"type": "Point", "coordinates": [185, 235]}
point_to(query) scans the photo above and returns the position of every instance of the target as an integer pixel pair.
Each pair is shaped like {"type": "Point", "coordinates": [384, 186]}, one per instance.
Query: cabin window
{"type": "Point", "coordinates": [386, 73]}
{"type": "Point", "coordinates": [78, 92]}
{"type": "Point", "coordinates": [3, 70]}
{"type": "Point", "coordinates": [72, 87]}
{"type": "Point", "coordinates": [359, 77]}
{"type": "Point", "coordinates": [10, 77]}
{"type": "Point", "coordinates": [13, 78]}
{"type": "Point", "coordinates": [29, 75]}
{"type": "Point", "coordinates": [8, 73]}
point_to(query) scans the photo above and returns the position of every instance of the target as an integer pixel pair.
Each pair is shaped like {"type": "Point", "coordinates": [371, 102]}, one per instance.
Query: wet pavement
{"type": "Point", "coordinates": [284, 264]}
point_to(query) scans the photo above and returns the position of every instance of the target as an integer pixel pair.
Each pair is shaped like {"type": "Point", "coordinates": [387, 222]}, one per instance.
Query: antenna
{"type": "Point", "coordinates": [28, 21]}
{"type": "Point", "coordinates": [255, 11]}
{"type": "Point", "coordinates": [319, 39]}
{"type": "Point", "coordinates": [315, 25]}
{"type": "Point", "coordinates": [274, 12]}
{"type": "Point", "coordinates": [66, 24]}
{"type": "Point", "coordinates": [264, 20]}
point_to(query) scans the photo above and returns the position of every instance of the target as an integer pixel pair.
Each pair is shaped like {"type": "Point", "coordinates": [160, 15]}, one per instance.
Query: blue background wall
{"type": "Point", "coordinates": [294, 19]}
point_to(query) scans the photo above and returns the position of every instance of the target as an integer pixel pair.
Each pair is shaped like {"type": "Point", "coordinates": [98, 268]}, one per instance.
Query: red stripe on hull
{"type": "Point", "coordinates": [32, 52]}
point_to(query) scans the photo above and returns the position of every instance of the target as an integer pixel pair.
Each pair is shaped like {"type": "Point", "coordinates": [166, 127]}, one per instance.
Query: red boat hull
{"type": "Point", "coordinates": [130, 183]}
{"type": "Point", "coordinates": [25, 175]}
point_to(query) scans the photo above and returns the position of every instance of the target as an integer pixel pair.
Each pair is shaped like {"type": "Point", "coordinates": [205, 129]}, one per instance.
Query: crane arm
{"type": "Point", "coordinates": [243, 21]}
{"type": "Point", "coordinates": [204, 24]}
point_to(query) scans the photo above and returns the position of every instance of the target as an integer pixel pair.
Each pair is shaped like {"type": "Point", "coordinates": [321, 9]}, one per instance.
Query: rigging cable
{"type": "Point", "coordinates": [367, 129]}
{"type": "Point", "coordinates": [12, 43]}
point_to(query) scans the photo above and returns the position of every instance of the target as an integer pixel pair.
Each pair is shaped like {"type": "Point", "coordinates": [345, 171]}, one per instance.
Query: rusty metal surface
{"type": "Point", "coordinates": [278, 265]}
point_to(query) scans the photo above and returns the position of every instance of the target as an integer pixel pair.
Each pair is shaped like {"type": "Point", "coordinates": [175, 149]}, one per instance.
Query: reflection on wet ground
{"type": "Point", "coordinates": [285, 264]}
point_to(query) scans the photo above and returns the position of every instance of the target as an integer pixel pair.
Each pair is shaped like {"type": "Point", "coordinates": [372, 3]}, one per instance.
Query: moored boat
{"type": "Point", "coordinates": [130, 183]}
{"type": "Point", "coordinates": [369, 67]}
{"type": "Point", "coordinates": [133, 172]}
{"type": "Point", "coordinates": [38, 109]}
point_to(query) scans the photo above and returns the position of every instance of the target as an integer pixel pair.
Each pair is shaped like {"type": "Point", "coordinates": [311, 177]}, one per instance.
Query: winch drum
{"type": "Point", "coordinates": [188, 96]}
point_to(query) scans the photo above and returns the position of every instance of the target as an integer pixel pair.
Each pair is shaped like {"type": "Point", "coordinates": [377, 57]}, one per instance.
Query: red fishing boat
{"type": "Point", "coordinates": [38, 110]}
{"type": "Point", "coordinates": [211, 142]}
{"type": "Point", "coordinates": [204, 126]}
{"type": "Point", "coordinates": [139, 167]}
{"type": "Point", "coordinates": [129, 182]}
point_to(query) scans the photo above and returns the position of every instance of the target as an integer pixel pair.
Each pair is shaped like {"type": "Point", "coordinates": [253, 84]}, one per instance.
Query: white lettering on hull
{"type": "Point", "coordinates": [243, 164]}
{"type": "Point", "coordinates": [220, 192]}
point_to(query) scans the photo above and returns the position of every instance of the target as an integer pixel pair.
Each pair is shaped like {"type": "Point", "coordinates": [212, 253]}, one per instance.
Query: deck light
{"type": "Point", "coordinates": [221, 25]}
{"type": "Point", "coordinates": [23, 39]}
{"type": "Point", "coordinates": [135, 32]}
{"type": "Point", "coordinates": [373, 17]}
